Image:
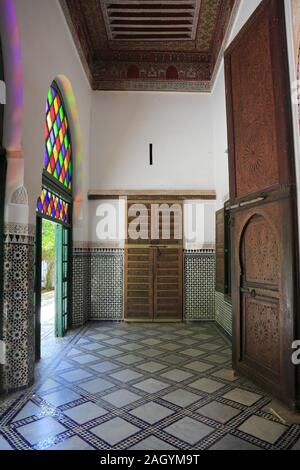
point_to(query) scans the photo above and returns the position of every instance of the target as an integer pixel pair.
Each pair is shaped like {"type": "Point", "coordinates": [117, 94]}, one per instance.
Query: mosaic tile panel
{"type": "Point", "coordinates": [98, 284]}
{"type": "Point", "coordinates": [106, 281]}
{"type": "Point", "coordinates": [81, 287]}
{"type": "Point", "coordinates": [199, 285]}
{"type": "Point", "coordinates": [95, 395]}
{"type": "Point", "coordinates": [18, 321]}
{"type": "Point", "coordinates": [223, 313]}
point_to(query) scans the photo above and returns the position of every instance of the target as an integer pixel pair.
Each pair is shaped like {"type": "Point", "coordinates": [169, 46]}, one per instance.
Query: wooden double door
{"type": "Point", "coordinates": [153, 267]}
{"type": "Point", "coordinates": [263, 207]}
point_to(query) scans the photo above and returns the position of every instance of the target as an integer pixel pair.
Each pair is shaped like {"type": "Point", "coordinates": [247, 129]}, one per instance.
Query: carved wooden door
{"type": "Point", "coordinates": [263, 203]}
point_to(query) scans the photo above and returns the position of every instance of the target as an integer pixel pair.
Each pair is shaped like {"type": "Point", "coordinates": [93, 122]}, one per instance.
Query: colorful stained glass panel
{"type": "Point", "coordinates": [53, 206]}
{"type": "Point", "coordinates": [57, 159]}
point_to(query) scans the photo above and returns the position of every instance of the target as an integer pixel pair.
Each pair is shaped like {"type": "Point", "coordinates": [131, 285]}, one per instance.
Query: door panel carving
{"type": "Point", "coordinates": [262, 333]}
{"type": "Point", "coordinates": [255, 130]}
{"type": "Point", "coordinates": [258, 104]}
{"type": "Point", "coordinates": [259, 295]}
{"type": "Point", "coordinates": [263, 204]}
{"type": "Point", "coordinates": [260, 253]}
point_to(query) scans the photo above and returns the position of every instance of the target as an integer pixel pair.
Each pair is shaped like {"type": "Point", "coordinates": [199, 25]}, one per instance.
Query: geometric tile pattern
{"type": "Point", "coordinates": [18, 320]}
{"type": "Point", "coordinates": [90, 398]}
{"type": "Point", "coordinates": [106, 280]}
{"type": "Point", "coordinates": [98, 285]}
{"type": "Point", "coordinates": [81, 293]}
{"type": "Point", "coordinates": [199, 285]}
{"type": "Point", "coordinates": [223, 313]}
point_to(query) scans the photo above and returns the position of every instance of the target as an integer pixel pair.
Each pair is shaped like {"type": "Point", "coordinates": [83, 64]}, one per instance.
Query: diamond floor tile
{"type": "Point", "coordinates": [177, 375]}
{"type": "Point", "coordinates": [85, 412]}
{"type": "Point", "coordinates": [121, 398]}
{"type": "Point", "coordinates": [85, 358]}
{"type": "Point", "coordinates": [263, 429]}
{"type": "Point", "coordinates": [198, 366]}
{"type": "Point", "coordinates": [151, 386]}
{"type": "Point", "coordinates": [189, 430]}
{"type": "Point", "coordinates": [30, 409]}
{"type": "Point", "coordinates": [40, 430]}
{"type": "Point", "coordinates": [115, 431]}
{"type": "Point", "coordinates": [129, 359]}
{"type": "Point", "coordinates": [207, 385]}
{"type": "Point", "coordinates": [152, 367]}
{"type": "Point", "coordinates": [104, 366]}
{"type": "Point", "coordinates": [96, 385]}
{"type": "Point", "coordinates": [226, 374]}
{"type": "Point", "coordinates": [218, 412]}
{"type": "Point", "coordinates": [61, 397]}
{"type": "Point", "coordinates": [230, 442]}
{"type": "Point", "coordinates": [242, 396]}
{"type": "Point", "coordinates": [142, 386]}
{"type": "Point", "coordinates": [151, 412]}
{"type": "Point", "coordinates": [126, 375]}
{"type": "Point", "coordinates": [181, 398]}
{"type": "Point", "coordinates": [4, 444]}
{"type": "Point", "coordinates": [75, 375]}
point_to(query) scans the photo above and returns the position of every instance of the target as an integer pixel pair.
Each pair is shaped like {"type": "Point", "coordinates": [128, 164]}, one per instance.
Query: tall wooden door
{"type": "Point", "coordinates": [263, 204]}
{"type": "Point", "coordinates": [153, 265]}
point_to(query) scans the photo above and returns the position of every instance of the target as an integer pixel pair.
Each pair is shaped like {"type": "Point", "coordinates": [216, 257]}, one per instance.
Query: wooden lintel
{"type": "Point", "coordinates": [154, 193]}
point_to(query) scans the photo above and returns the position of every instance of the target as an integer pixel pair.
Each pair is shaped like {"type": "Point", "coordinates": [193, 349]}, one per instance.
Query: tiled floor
{"type": "Point", "coordinates": [135, 386]}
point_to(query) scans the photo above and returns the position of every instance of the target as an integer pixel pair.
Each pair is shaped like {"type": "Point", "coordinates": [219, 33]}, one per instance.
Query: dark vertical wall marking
{"type": "Point", "coordinates": [151, 154]}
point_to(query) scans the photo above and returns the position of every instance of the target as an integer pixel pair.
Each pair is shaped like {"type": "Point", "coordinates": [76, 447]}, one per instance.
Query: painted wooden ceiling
{"type": "Point", "coordinates": [168, 45]}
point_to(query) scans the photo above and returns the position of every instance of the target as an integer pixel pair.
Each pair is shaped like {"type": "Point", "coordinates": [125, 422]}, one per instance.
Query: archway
{"type": "Point", "coordinates": [55, 206]}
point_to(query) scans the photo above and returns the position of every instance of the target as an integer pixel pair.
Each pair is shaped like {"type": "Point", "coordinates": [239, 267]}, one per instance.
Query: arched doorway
{"type": "Point", "coordinates": [54, 205]}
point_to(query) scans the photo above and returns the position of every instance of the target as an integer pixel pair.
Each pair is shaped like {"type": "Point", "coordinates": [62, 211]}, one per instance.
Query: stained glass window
{"type": "Point", "coordinates": [57, 159]}
{"type": "Point", "coordinates": [53, 206]}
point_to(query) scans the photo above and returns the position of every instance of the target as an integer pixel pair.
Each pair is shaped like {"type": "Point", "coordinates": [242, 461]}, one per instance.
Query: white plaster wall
{"type": "Point", "coordinates": [295, 86]}
{"type": "Point", "coordinates": [48, 51]}
{"type": "Point", "coordinates": [178, 125]}
{"type": "Point", "coordinates": [219, 119]}
{"type": "Point", "coordinates": [107, 222]}
{"type": "Point", "coordinates": [218, 103]}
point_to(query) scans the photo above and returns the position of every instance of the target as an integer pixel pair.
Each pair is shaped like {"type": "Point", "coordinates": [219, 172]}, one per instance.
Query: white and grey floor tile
{"type": "Point", "coordinates": [149, 387]}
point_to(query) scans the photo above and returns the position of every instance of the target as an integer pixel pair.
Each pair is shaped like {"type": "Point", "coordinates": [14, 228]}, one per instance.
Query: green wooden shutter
{"type": "Point", "coordinates": [63, 280]}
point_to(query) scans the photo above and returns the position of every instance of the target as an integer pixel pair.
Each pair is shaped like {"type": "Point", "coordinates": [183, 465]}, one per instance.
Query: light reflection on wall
{"type": "Point", "coordinates": [13, 75]}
